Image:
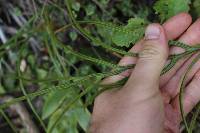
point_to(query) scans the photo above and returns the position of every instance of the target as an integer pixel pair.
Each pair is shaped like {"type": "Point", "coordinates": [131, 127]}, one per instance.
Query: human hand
{"type": "Point", "coordinates": [149, 103]}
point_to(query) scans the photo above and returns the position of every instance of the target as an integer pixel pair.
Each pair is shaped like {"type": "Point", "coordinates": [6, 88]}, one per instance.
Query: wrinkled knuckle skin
{"type": "Point", "coordinates": [151, 52]}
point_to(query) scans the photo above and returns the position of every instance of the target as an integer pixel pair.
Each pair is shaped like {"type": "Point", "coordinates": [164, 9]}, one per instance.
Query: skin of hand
{"type": "Point", "coordinates": [148, 102]}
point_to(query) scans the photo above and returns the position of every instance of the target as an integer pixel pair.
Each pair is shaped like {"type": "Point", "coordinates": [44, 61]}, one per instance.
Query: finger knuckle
{"type": "Point", "coordinates": [150, 52]}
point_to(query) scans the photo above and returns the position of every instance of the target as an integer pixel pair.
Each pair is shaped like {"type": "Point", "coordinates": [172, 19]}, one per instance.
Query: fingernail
{"type": "Point", "coordinates": [152, 32]}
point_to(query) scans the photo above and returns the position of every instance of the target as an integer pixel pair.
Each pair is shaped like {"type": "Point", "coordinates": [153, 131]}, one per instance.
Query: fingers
{"type": "Point", "coordinates": [171, 89]}
{"type": "Point", "coordinates": [127, 60]}
{"type": "Point", "coordinates": [191, 95]}
{"type": "Point", "coordinates": [182, 20]}
{"type": "Point", "coordinates": [191, 37]}
{"type": "Point", "coordinates": [176, 25]}
{"type": "Point", "coordinates": [151, 58]}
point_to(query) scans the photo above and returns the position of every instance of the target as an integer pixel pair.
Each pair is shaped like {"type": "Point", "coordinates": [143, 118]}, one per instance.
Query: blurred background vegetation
{"type": "Point", "coordinates": [31, 58]}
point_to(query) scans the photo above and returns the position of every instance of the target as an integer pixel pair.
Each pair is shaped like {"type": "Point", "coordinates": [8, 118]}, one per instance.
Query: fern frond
{"type": "Point", "coordinates": [169, 8]}
{"type": "Point", "coordinates": [179, 44]}
{"type": "Point", "coordinates": [89, 37]}
{"type": "Point", "coordinates": [123, 35]}
{"type": "Point", "coordinates": [73, 81]}
{"type": "Point", "coordinates": [189, 50]}
{"type": "Point", "coordinates": [182, 91]}
{"type": "Point", "coordinates": [68, 49]}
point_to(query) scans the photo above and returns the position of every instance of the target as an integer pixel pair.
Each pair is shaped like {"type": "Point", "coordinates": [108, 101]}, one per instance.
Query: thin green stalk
{"type": "Point", "coordinates": [174, 59]}
{"type": "Point", "coordinates": [8, 121]}
{"type": "Point", "coordinates": [66, 107]}
{"type": "Point", "coordinates": [182, 92]}
{"type": "Point", "coordinates": [57, 78]}
{"type": "Point", "coordinates": [70, 82]}
{"type": "Point", "coordinates": [89, 37]}
{"type": "Point", "coordinates": [54, 61]}
{"type": "Point", "coordinates": [31, 105]}
{"type": "Point", "coordinates": [25, 94]}
{"type": "Point", "coordinates": [54, 45]}
{"type": "Point", "coordinates": [194, 118]}
{"type": "Point", "coordinates": [107, 25]}
{"type": "Point", "coordinates": [68, 49]}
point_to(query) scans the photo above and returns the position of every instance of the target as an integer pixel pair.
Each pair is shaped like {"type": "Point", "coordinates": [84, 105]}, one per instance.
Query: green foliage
{"type": "Point", "coordinates": [77, 44]}
{"type": "Point", "coordinates": [196, 8]}
{"type": "Point", "coordinates": [76, 6]}
{"type": "Point", "coordinates": [53, 101]}
{"type": "Point", "coordinates": [76, 114]}
{"type": "Point", "coordinates": [73, 35]}
{"type": "Point", "coordinates": [130, 33]}
{"type": "Point", "coordinates": [90, 9]}
{"type": "Point", "coordinates": [169, 8]}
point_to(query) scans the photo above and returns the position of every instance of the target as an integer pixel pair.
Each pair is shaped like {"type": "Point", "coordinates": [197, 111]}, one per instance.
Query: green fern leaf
{"type": "Point", "coordinates": [121, 39]}
{"type": "Point", "coordinates": [169, 8]}
{"type": "Point", "coordinates": [125, 35]}
{"type": "Point", "coordinates": [53, 101]}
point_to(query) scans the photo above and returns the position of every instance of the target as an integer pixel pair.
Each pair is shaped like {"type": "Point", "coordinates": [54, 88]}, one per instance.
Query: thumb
{"type": "Point", "coordinates": [152, 57]}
